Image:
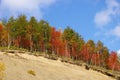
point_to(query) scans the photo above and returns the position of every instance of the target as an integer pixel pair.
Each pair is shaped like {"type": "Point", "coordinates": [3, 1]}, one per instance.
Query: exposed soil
{"type": "Point", "coordinates": [18, 65]}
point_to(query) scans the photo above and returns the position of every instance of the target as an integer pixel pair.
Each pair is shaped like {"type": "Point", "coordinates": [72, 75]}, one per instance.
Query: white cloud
{"type": "Point", "coordinates": [104, 17]}
{"type": "Point", "coordinates": [115, 31]}
{"type": "Point", "coordinates": [118, 52]}
{"type": "Point", "coordinates": [29, 7]}
{"type": "Point", "coordinates": [112, 3]}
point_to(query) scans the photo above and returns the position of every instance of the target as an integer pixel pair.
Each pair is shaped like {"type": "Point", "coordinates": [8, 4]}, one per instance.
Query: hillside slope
{"type": "Point", "coordinates": [17, 67]}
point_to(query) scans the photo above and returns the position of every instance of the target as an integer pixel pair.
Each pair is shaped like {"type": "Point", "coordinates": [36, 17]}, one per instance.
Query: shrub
{"type": "Point", "coordinates": [31, 72]}
{"type": "Point", "coordinates": [5, 53]}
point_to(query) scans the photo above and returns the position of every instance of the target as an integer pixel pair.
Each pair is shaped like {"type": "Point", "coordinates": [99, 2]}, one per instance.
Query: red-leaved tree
{"type": "Point", "coordinates": [96, 59]}
{"type": "Point", "coordinates": [113, 62]}
{"type": "Point", "coordinates": [56, 42]}
{"type": "Point", "coordinates": [1, 27]}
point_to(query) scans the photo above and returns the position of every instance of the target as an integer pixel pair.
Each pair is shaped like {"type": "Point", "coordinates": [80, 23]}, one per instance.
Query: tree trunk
{"type": "Point", "coordinates": [31, 48]}
{"type": "Point", "coordinates": [9, 41]}
{"type": "Point", "coordinates": [66, 50]}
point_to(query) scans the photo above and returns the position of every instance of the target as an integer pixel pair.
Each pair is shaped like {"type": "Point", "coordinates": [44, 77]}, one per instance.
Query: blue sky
{"type": "Point", "coordinates": [93, 19]}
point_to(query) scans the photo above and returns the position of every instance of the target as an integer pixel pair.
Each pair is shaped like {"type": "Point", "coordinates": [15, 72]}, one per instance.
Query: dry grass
{"type": "Point", "coordinates": [2, 68]}
{"type": "Point", "coordinates": [29, 67]}
{"type": "Point", "coordinates": [31, 72]}
{"type": "Point", "coordinates": [5, 53]}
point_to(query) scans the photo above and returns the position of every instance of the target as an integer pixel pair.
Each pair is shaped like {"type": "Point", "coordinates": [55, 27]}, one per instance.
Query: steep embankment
{"type": "Point", "coordinates": [18, 67]}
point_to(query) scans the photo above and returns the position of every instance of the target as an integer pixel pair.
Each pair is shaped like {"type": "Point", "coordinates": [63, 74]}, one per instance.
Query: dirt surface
{"type": "Point", "coordinates": [18, 65]}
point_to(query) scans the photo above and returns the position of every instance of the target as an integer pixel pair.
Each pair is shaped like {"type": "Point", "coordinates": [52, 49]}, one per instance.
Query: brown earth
{"type": "Point", "coordinates": [18, 65]}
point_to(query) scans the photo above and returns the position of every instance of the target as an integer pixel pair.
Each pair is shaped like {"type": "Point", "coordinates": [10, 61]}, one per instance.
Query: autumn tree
{"type": "Point", "coordinates": [40, 36]}
{"type": "Point", "coordinates": [73, 42]}
{"type": "Point", "coordinates": [104, 56]}
{"type": "Point", "coordinates": [99, 50]}
{"type": "Point", "coordinates": [113, 62]}
{"type": "Point", "coordinates": [90, 45]}
{"type": "Point", "coordinates": [31, 30]}
{"type": "Point", "coordinates": [95, 59]}
{"type": "Point", "coordinates": [67, 38]}
{"type": "Point", "coordinates": [103, 53]}
{"type": "Point", "coordinates": [20, 30]}
{"type": "Point", "coordinates": [55, 40]}
{"type": "Point", "coordinates": [9, 27]}
{"type": "Point", "coordinates": [1, 29]}
{"type": "Point", "coordinates": [77, 43]}
{"type": "Point", "coordinates": [4, 38]}
{"type": "Point", "coordinates": [45, 35]}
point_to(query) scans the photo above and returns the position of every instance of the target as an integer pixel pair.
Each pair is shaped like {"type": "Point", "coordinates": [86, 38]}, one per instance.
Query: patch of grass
{"type": "Point", "coordinates": [5, 53]}
{"type": "Point", "coordinates": [2, 68]}
{"type": "Point", "coordinates": [31, 72]}
{"type": "Point", "coordinates": [3, 48]}
{"type": "Point", "coordinates": [16, 48]}
{"type": "Point", "coordinates": [51, 56]}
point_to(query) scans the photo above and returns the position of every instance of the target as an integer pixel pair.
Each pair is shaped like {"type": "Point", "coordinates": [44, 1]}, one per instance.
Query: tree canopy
{"type": "Point", "coordinates": [41, 36]}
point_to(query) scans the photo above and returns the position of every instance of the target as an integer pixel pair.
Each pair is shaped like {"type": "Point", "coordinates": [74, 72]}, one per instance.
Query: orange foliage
{"type": "Point", "coordinates": [113, 62]}
{"type": "Point", "coordinates": [1, 27]}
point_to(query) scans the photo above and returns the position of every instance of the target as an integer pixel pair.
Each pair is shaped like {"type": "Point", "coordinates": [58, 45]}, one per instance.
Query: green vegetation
{"type": "Point", "coordinates": [31, 72]}
{"type": "Point", "coordinates": [12, 48]}
{"type": "Point", "coordinates": [5, 53]}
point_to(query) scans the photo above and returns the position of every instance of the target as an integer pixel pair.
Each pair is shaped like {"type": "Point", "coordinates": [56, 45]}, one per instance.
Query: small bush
{"type": "Point", "coordinates": [3, 49]}
{"type": "Point", "coordinates": [53, 57]}
{"type": "Point", "coordinates": [64, 59]}
{"type": "Point", "coordinates": [2, 68]}
{"type": "Point", "coordinates": [31, 72]}
{"type": "Point", "coordinates": [5, 53]}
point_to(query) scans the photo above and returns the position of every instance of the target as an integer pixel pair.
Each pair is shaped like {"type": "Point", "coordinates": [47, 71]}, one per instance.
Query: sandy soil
{"type": "Point", "coordinates": [17, 67]}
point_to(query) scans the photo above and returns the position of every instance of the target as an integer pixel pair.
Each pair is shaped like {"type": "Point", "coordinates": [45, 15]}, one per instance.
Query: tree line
{"type": "Point", "coordinates": [41, 36]}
